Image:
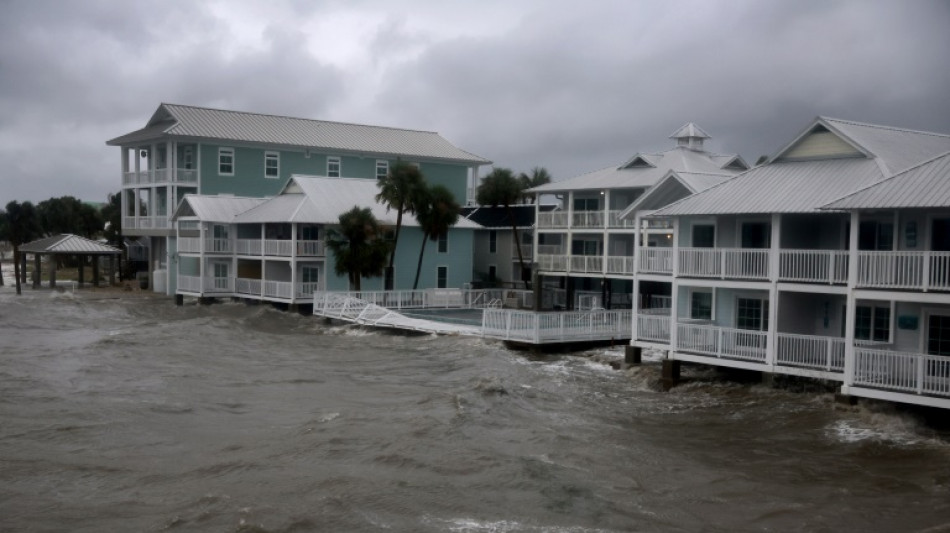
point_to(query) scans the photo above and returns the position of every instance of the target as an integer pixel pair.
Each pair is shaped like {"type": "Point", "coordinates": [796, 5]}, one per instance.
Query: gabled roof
{"type": "Point", "coordinates": [680, 159]}
{"type": "Point", "coordinates": [690, 130]}
{"type": "Point", "coordinates": [921, 186]}
{"type": "Point", "coordinates": [672, 187]}
{"type": "Point", "coordinates": [214, 208]}
{"type": "Point", "coordinates": [189, 122]}
{"type": "Point", "coordinates": [321, 200]}
{"type": "Point", "coordinates": [68, 243]}
{"type": "Point", "coordinates": [803, 185]}
{"type": "Point", "coordinates": [497, 217]}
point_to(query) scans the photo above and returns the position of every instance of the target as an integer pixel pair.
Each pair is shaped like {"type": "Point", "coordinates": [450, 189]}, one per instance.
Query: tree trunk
{"type": "Point", "coordinates": [392, 253]}
{"type": "Point", "coordinates": [514, 232]}
{"type": "Point", "coordinates": [16, 266]}
{"type": "Point", "coordinates": [422, 251]}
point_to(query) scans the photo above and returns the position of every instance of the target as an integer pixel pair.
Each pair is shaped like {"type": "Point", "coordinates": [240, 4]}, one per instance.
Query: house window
{"type": "Point", "coordinates": [188, 158]}
{"type": "Point", "coordinates": [874, 235]}
{"type": "Point", "coordinates": [492, 272]}
{"type": "Point", "coordinates": [334, 167]}
{"type": "Point", "coordinates": [704, 236]}
{"type": "Point", "coordinates": [444, 243]}
{"type": "Point", "coordinates": [226, 161]}
{"type": "Point", "coordinates": [220, 275]}
{"type": "Point", "coordinates": [442, 277]}
{"type": "Point", "coordinates": [310, 274]}
{"type": "Point", "coordinates": [872, 323]}
{"type": "Point", "coordinates": [585, 247]}
{"type": "Point", "coordinates": [938, 335]}
{"type": "Point", "coordinates": [382, 169]}
{"type": "Point", "coordinates": [586, 204]}
{"type": "Point", "coordinates": [492, 241]}
{"type": "Point", "coordinates": [701, 305]}
{"type": "Point", "coordinates": [271, 164]}
{"type": "Point", "coordinates": [309, 232]}
{"type": "Point", "coordinates": [752, 313]}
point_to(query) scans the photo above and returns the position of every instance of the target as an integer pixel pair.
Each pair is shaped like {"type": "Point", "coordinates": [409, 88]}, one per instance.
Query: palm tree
{"type": "Point", "coordinates": [21, 225]}
{"type": "Point", "coordinates": [358, 245]}
{"type": "Point", "coordinates": [501, 188]}
{"type": "Point", "coordinates": [397, 191]}
{"type": "Point", "coordinates": [539, 176]}
{"type": "Point", "coordinates": [437, 211]}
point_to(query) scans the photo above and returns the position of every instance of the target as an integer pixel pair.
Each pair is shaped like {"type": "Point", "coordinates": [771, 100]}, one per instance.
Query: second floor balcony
{"type": "Point", "coordinates": [146, 223]}
{"type": "Point", "coordinates": [160, 176]}
{"type": "Point", "coordinates": [600, 219]}
{"type": "Point", "coordinates": [252, 247]}
{"type": "Point", "coordinates": [585, 264]}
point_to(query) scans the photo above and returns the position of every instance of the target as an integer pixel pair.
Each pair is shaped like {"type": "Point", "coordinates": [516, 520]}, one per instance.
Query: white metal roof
{"type": "Point", "coordinates": [680, 159]}
{"type": "Point", "coordinates": [925, 185]}
{"type": "Point", "coordinates": [321, 200]}
{"type": "Point", "coordinates": [68, 243]}
{"type": "Point", "coordinates": [203, 123]}
{"type": "Point", "coordinates": [806, 185]}
{"type": "Point", "coordinates": [672, 187]}
{"type": "Point", "coordinates": [214, 208]}
{"type": "Point", "coordinates": [690, 130]}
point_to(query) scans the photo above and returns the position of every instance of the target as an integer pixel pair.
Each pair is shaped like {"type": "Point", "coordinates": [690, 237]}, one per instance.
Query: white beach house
{"type": "Point", "coordinates": [832, 260]}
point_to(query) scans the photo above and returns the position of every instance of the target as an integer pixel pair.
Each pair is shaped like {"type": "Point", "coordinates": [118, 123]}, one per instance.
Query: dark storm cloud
{"type": "Point", "coordinates": [94, 71]}
{"type": "Point", "coordinates": [577, 91]}
{"type": "Point", "coordinates": [571, 86]}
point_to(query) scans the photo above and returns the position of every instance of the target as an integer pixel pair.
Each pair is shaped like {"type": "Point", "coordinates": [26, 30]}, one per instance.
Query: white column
{"type": "Point", "coordinates": [570, 233]}
{"type": "Point", "coordinates": [771, 343]}
{"type": "Point", "coordinates": [293, 262]}
{"type": "Point", "coordinates": [537, 211]}
{"type": "Point", "coordinates": [201, 257]}
{"type": "Point", "coordinates": [606, 238]}
{"type": "Point", "coordinates": [851, 304]}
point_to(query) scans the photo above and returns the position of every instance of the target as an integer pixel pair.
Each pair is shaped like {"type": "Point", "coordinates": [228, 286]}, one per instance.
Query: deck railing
{"type": "Point", "coordinates": [732, 263]}
{"type": "Point", "coordinates": [588, 219]}
{"type": "Point", "coordinates": [311, 248]}
{"type": "Point", "coordinates": [656, 260]}
{"type": "Point", "coordinates": [826, 266]}
{"type": "Point", "coordinates": [553, 219]}
{"type": "Point", "coordinates": [904, 270]}
{"type": "Point", "coordinates": [717, 341]}
{"type": "Point", "coordinates": [208, 285]}
{"type": "Point", "coordinates": [248, 247]}
{"type": "Point", "coordinates": [587, 263]}
{"type": "Point", "coordinates": [247, 286]}
{"type": "Point", "coordinates": [189, 245]}
{"type": "Point", "coordinates": [160, 175]}
{"type": "Point", "coordinates": [654, 328]}
{"type": "Point", "coordinates": [421, 299]}
{"type": "Point", "coordinates": [552, 263]}
{"type": "Point", "coordinates": [550, 249]}
{"type": "Point", "coordinates": [620, 265]}
{"type": "Point", "coordinates": [810, 351]}
{"type": "Point", "coordinates": [280, 248]}
{"type": "Point", "coordinates": [538, 328]}
{"type": "Point", "coordinates": [218, 246]}
{"type": "Point", "coordinates": [900, 371]}
{"type": "Point", "coordinates": [156, 222]}
{"type": "Point", "coordinates": [614, 220]}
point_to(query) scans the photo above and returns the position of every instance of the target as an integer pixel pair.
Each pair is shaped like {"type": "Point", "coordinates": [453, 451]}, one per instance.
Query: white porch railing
{"type": "Point", "coordinates": [278, 289]}
{"type": "Point", "coordinates": [208, 285]}
{"type": "Point", "coordinates": [281, 248]}
{"type": "Point", "coordinates": [717, 341]}
{"type": "Point", "coordinates": [420, 299]}
{"type": "Point", "coordinates": [654, 328]}
{"type": "Point", "coordinates": [588, 219]}
{"type": "Point", "coordinates": [620, 265]}
{"type": "Point", "coordinates": [552, 219]}
{"type": "Point", "coordinates": [809, 351]}
{"type": "Point", "coordinates": [587, 263]}
{"type": "Point", "coordinates": [550, 249]}
{"type": "Point", "coordinates": [552, 263]}
{"type": "Point", "coordinates": [160, 175]}
{"type": "Point", "coordinates": [311, 248]}
{"type": "Point", "coordinates": [218, 246]}
{"type": "Point", "coordinates": [248, 247]}
{"type": "Point", "coordinates": [157, 222]}
{"type": "Point", "coordinates": [905, 372]}
{"type": "Point", "coordinates": [251, 287]}
{"type": "Point", "coordinates": [904, 270]}
{"type": "Point", "coordinates": [827, 266]}
{"type": "Point", "coordinates": [733, 263]}
{"type": "Point", "coordinates": [305, 290]}
{"type": "Point", "coordinates": [538, 328]}
{"type": "Point", "coordinates": [656, 260]}
{"type": "Point", "coordinates": [614, 220]}
{"type": "Point", "coordinates": [189, 245]}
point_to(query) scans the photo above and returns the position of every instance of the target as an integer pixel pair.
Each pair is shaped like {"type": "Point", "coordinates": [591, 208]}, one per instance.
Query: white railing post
{"type": "Point", "coordinates": [921, 362]}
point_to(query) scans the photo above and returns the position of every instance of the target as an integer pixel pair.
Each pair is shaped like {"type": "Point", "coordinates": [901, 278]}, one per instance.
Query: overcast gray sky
{"type": "Point", "coordinates": [572, 86]}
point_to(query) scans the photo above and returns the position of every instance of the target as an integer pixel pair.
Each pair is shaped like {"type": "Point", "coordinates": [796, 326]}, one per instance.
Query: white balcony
{"type": "Point", "coordinates": [614, 220]}
{"type": "Point", "coordinates": [552, 263]}
{"type": "Point", "coordinates": [160, 176]}
{"type": "Point", "coordinates": [656, 260]}
{"type": "Point", "coordinates": [552, 219]}
{"type": "Point", "coordinates": [911, 373]}
{"type": "Point", "coordinates": [539, 328]}
{"type": "Point", "coordinates": [527, 251]}
{"type": "Point", "coordinates": [825, 266]}
{"type": "Point", "coordinates": [809, 351]}
{"type": "Point", "coordinates": [206, 285]}
{"type": "Point", "coordinates": [248, 247]}
{"type": "Point", "coordinates": [731, 263]}
{"type": "Point", "coordinates": [715, 341]}
{"type": "Point", "coordinates": [620, 265]}
{"type": "Point", "coordinates": [904, 270]}
{"type": "Point", "coordinates": [133, 223]}
{"type": "Point", "coordinates": [653, 328]}
{"type": "Point", "coordinates": [590, 264]}
{"type": "Point", "coordinates": [279, 248]}
{"type": "Point", "coordinates": [587, 219]}
{"type": "Point", "coordinates": [311, 249]}
{"type": "Point", "coordinates": [275, 289]}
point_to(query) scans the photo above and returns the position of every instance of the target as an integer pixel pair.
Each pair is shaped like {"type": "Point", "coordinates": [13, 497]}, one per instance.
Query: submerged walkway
{"type": "Point", "coordinates": [510, 325]}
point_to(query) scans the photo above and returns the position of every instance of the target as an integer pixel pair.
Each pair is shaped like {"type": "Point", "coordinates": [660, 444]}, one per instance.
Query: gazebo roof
{"type": "Point", "coordinates": [68, 243]}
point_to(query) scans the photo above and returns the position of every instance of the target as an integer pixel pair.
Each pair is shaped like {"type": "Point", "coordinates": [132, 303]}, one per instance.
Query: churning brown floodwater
{"type": "Point", "coordinates": [131, 414]}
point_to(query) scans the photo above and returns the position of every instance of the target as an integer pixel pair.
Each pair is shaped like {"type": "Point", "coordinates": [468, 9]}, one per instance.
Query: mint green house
{"type": "Point", "coordinates": [274, 249]}
{"type": "Point", "coordinates": [186, 150]}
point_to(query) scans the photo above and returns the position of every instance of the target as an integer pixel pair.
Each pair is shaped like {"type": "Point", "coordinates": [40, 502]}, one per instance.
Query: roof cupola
{"type": "Point", "coordinates": [690, 136]}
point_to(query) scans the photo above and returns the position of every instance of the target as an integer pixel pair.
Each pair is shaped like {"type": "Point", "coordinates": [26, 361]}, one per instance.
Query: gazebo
{"type": "Point", "coordinates": [67, 244]}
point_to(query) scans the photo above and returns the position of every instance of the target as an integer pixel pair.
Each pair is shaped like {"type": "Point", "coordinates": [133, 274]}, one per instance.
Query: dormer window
{"type": "Point", "coordinates": [334, 167]}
